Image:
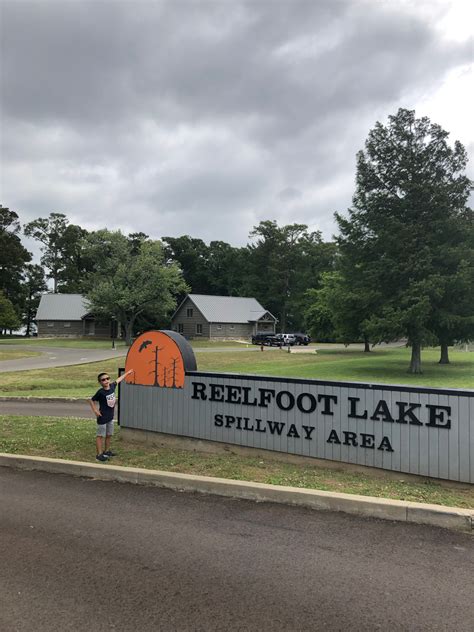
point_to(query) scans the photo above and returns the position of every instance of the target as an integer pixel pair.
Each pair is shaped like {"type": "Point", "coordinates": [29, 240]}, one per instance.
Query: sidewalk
{"type": "Point", "coordinates": [384, 509]}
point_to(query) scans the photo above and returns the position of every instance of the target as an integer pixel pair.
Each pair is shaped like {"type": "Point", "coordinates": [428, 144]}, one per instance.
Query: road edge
{"type": "Point", "coordinates": [396, 510]}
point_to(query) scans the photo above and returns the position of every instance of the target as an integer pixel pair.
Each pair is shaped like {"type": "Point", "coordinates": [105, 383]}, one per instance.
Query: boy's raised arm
{"type": "Point", "coordinates": [124, 375]}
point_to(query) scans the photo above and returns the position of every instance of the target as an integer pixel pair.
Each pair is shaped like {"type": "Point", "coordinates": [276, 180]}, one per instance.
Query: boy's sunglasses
{"type": "Point", "coordinates": [104, 379]}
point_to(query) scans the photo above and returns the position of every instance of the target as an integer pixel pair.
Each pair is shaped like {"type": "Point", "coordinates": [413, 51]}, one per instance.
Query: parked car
{"type": "Point", "coordinates": [267, 339]}
{"type": "Point", "coordinates": [302, 339]}
{"type": "Point", "coordinates": [286, 339]}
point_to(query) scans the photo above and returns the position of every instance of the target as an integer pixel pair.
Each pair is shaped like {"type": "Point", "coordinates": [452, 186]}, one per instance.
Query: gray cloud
{"type": "Point", "coordinates": [203, 117]}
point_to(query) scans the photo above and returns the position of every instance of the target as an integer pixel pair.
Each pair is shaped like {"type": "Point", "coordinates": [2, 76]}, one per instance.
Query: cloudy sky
{"type": "Point", "coordinates": [205, 117]}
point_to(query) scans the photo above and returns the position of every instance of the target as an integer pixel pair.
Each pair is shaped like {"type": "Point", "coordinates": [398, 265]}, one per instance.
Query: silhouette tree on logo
{"type": "Point", "coordinates": [173, 368]}
{"type": "Point", "coordinates": [156, 363]}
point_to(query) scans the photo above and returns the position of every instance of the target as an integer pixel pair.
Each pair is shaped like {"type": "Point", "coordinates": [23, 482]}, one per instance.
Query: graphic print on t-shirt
{"type": "Point", "coordinates": [110, 400]}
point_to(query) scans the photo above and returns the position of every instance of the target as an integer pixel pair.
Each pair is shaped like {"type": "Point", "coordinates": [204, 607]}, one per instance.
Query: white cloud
{"type": "Point", "coordinates": [200, 118]}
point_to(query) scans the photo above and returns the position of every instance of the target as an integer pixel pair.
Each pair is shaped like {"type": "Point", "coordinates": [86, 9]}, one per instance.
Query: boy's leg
{"type": "Point", "coordinates": [98, 445]}
{"type": "Point", "coordinates": [99, 439]}
{"type": "Point", "coordinates": [108, 438]}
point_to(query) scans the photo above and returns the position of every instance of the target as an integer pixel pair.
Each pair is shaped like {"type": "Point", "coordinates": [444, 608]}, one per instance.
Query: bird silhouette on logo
{"type": "Point", "coordinates": [144, 345]}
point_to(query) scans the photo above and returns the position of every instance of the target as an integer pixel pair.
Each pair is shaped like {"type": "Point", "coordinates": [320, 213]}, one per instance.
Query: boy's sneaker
{"type": "Point", "coordinates": [102, 458]}
{"type": "Point", "coordinates": [109, 453]}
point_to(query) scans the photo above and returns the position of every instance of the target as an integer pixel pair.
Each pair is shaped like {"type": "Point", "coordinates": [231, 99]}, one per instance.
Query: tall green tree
{"type": "Point", "coordinates": [13, 258]}
{"type": "Point", "coordinates": [131, 279]}
{"type": "Point", "coordinates": [336, 311]}
{"type": "Point", "coordinates": [33, 286]}
{"type": "Point", "coordinates": [408, 215]}
{"type": "Point", "coordinates": [283, 263]}
{"type": "Point", "coordinates": [62, 245]}
{"type": "Point", "coordinates": [192, 255]}
{"type": "Point", "coordinates": [9, 319]}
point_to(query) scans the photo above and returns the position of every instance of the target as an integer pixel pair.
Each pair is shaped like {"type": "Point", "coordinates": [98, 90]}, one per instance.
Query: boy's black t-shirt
{"type": "Point", "coordinates": [106, 401]}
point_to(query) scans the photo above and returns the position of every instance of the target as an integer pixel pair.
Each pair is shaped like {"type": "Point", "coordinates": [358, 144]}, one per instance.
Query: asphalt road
{"type": "Point", "coordinates": [90, 555]}
{"type": "Point", "coordinates": [36, 408]}
{"type": "Point", "coordinates": [57, 356]}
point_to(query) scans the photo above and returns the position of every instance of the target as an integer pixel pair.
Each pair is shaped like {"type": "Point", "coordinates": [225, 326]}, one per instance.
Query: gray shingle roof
{"type": "Point", "coordinates": [62, 307]}
{"type": "Point", "coordinates": [228, 309]}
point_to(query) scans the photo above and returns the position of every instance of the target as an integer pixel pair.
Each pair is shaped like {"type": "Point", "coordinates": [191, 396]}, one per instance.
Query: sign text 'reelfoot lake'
{"type": "Point", "coordinates": [397, 412]}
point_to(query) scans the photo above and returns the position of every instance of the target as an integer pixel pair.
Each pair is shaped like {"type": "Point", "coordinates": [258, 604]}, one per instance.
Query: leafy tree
{"type": "Point", "coordinates": [284, 263]}
{"type": "Point", "coordinates": [193, 257]}
{"type": "Point", "coordinates": [34, 285]}
{"type": "Point", "coordinates": [8, 317]}
{"type": "Point", "coordinates": [62, 250]}
{"type": "Point", "coordinates": [74, 266]}
{"type": "Point", "coordinates": [131, 280]}
{"type": "Point", "coordinates": [335, 311]}
{"type": "Point", "coordinates": [13, 257]}
{"type": "Point", "coordinates": [409, 214]}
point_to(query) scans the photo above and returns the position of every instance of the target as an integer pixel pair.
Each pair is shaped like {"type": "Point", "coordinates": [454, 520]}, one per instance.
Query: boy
{"type": "Point", "coordinates": [105, 397]}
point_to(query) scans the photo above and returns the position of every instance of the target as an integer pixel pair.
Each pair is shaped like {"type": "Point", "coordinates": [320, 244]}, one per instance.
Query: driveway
{"type": "Point", "coordinates": [57, 356]}
{"type": "Point", "coordinates": [87, 555]}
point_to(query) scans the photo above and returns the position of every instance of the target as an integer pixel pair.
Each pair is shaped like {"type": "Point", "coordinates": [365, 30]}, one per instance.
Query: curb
{"type": "Point", "coordinates": [384, 509]}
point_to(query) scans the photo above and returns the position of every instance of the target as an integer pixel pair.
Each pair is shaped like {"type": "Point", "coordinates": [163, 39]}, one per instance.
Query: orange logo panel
{"type": "Point", "coordinates": [156, 360]}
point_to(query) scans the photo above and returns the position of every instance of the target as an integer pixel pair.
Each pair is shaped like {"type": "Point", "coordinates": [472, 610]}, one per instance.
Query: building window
{"type": "Point", "coordinates": [180, 328]}
{"type": "Point", "coordinates": [219, 326]}
{"type": "Point", "coordinates": [50, 324]}
{"type": "Point", "coordinates": [199, 328]}
{"type": "Point", "coordinates": [67, 324]}
{"type": "Point", "coordinates": [189, 312]}
{"type": "Point", "coordinates": [231, 327]}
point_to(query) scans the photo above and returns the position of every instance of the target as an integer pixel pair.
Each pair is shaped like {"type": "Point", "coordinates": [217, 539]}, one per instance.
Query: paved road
{"type": "Point", "coordinates": [47, 409]}
{"type": "Point", "coordinates": [57, 356]}
{"type": "Point", "coordinates": [91, 555]}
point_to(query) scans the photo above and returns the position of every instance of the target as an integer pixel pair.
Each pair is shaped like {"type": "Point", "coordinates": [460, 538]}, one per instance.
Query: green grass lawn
{"type": "Point", "coordinates": [385, 365]}
{"type": "Point", "coordinates": [74, 439]}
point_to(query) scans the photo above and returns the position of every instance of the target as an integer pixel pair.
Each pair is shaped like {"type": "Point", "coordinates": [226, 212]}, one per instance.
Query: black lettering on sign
{"type": "Point", "coordinates": [217, 392]}
{"type": "Point", "coordinates": [229, 420]}
{"type": "Point", "coordinates": [404, 413]}
{"type": "Point", "coordinates": [276, 427]}
{"type": "Point", "coordinates": [437, 418]}
{"type": "Point", "coordinates": [218, 420]}
{"type": "Point", "coordinates": [292, 432]}
{"type": "Point", "coordinates": [385, 445]}
{"type": "Point", "coordinates": [199, 391]}
{"type": "Point", "coordinates": [381, 412]}
{"type": "Point", "coordinates": [308, 407]}
{"type": "Point", "coordinates": [290, 403]}
{"type": "Point", "coordinates": [333, 438]}
{"type": "Point", "coordinates": [327, 399]}
{"type": "Point", "coordinates": [367, 440]}
{"type": "Point", "coordinates": [258, 427]}
{"type": "Point", "coordinates": [353, 409]}
{"type": "Point", "coordinates": [233, 394]}
{"type": "Point", "coordinates": [246, 424]}
{"type": "Point", "coordinates": [350, 438]}
{"type": "Point", "coordinates": [246, 401]}
{"type": "Point", "coordinates": [308, 431]}
{"type": "Point", "coordinates": [266, 395]}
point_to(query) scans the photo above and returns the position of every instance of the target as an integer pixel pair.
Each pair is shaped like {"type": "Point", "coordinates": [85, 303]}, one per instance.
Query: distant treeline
{"type": "Point", "coordinates": [402, 265]}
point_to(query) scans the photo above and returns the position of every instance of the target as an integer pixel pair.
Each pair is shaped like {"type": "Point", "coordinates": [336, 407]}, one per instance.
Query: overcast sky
{"type": "Point", "coordinates": [204, 118]}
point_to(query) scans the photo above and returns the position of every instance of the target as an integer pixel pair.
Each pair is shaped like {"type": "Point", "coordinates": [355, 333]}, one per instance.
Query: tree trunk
{"type": "Point", "coordinates": [415, 362]}
{"type": "Point", "coordinates": [128, 325]}
{"type": "Point", "coordinates": [366, 346]}
{"type": "Point", "coordinates": [444, 358]}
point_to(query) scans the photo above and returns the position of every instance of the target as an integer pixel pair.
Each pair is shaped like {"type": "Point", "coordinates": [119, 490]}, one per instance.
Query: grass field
{"type": "Point", "coordinates": [74, 439]}
{"type": "Point", "coordinates": [385, 365]}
